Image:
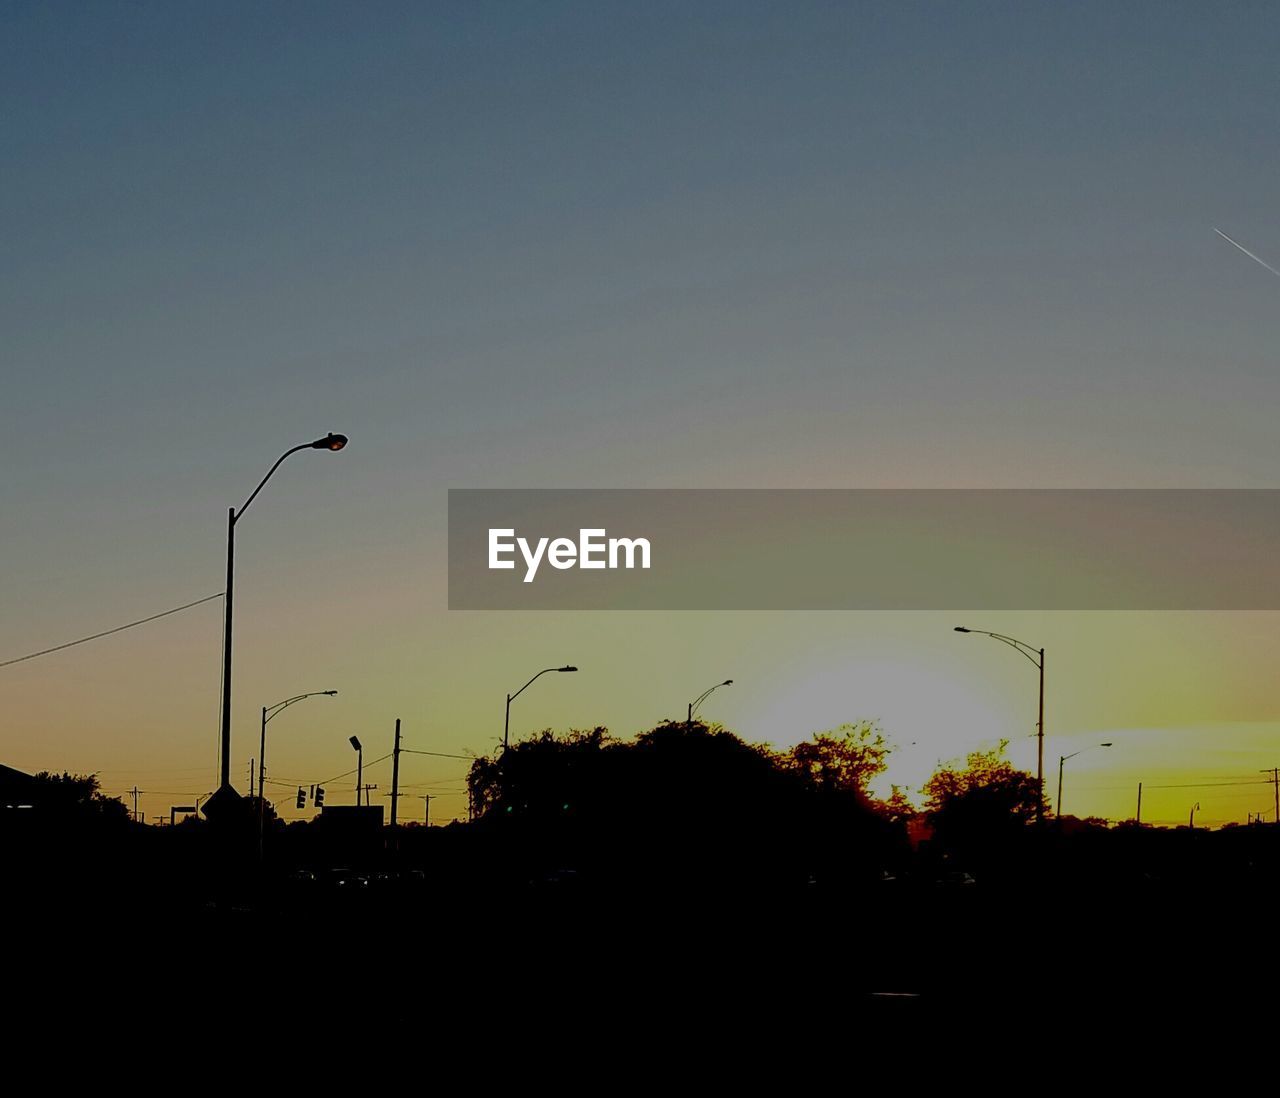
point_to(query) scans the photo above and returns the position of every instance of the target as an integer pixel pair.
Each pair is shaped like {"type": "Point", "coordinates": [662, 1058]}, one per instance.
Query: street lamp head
{"type": "Point", "coordinates": [566, 669]}
{"type": "Point", "coordinates": [356, 743]}
{"type": "Point", "coordinates": [1104, 745]}
{"type": "Point", "coordinates": [329, 693]}
{"type": "Point", "coordinates": [727, 682]}
{"type": "Point", "coordinates": [962, 629]}
{"type": "Point", "coordinates": [330, 442]}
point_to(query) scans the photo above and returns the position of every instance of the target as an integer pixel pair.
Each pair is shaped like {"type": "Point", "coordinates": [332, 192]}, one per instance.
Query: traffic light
{"type": "Point", "coordinates": [302, 797]}
{"type": "Point", "coordinates": [319, 796]}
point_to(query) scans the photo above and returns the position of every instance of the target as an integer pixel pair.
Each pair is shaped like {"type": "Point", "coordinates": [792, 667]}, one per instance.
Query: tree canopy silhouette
{"type": "Point", "coordinates": [983, 806]}
{"type": "Point", "coordinates": [689, 798]}
{"type": "Point", "coordinates": [76, 797]}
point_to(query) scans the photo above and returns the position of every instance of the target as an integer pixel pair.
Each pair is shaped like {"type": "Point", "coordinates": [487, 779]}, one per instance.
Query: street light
{"type": "Point", "coordinates": [1062, 760]}
{"type": "Point", "coordinates": [269, 711]}
{"type": "Point", "coordinates": [225, 792]}
{"type": "Point", "coordinates": [506, 728]}
{"type": "Point", "coordinates": [1191, 823]}
{"type": "Point", "coordinates": [359, 766]}
{"type": "Point", "coordinates": [1036, 656]}
{"type": "Point", "coordinates": [693, 705]}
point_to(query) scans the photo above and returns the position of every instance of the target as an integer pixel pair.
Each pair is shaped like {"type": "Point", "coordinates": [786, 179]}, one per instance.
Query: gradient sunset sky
{"type": "Point", "coordinates": [617, 245]}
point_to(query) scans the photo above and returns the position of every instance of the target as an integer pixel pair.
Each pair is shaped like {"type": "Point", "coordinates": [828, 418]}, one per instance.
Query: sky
{"type": "Point", "coordinates": [607, 245]}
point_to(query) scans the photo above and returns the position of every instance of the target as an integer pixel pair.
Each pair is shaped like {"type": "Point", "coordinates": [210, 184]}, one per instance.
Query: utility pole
{"type": "Point", "coordinates": [395, 774]}
{"type": "Point", "coordinates": [136, 817]}
{"type": "Point", "coordinates": [228, 599]}
{"type": "Point", "coordinates": [426, 809]}
{"type": "Point", "coordinates": [1040, 749]}
{"type": "Point", "coordinates": [367, 790]}
{"type": "Point", "coordinates": [1138, 818]}
{"type": "Point", "coordinates": [1275, 781]}
{"type": "Point", "coordinates": [251, 777]}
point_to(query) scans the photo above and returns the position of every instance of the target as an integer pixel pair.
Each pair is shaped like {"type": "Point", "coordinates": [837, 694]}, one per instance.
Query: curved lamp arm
{"type": "Point", "coordinates": [280, 707]}
{"type": "Point", "coordinates": [329, 442]}
{"type": "Point", "coordinates": [693, 705]}
{"type": "Point", "coordinates": [1033, 654]}
{"type": "Point", "coordinates": [512, 697]}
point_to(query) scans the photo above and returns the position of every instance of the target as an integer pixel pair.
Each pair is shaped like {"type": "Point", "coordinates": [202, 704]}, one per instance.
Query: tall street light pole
{"type": "Point", "coordinates": [225, 791]}
{"type": "Point", "coordinates": [359, 749]}
{"type": "Point", "coordinates": [269, 711]}
{"type": "Point", "coordinates": [693, 705]}
{"type": "Point", "coordinates": [1036, 656]}
{"type": "Point", "coordinates": [1062, 759]}
{"type": "Point", "coordinates": [506, 728]}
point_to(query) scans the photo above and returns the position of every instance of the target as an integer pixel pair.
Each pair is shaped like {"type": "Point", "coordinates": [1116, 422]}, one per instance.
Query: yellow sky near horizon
{"type": "Point", "coordinates": [1183, 697]}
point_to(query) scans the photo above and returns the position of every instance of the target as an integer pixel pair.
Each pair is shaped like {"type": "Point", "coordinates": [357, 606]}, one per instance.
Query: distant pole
{"type": "Point", "coordinates": [251, 777]}
{"type": "Point", "coordinates": [395, 774]}
{"type": "Point", "coordinates": [1040, 749]}
{"type": "Point", "coordinates": [136, 817]}
{"type": "Point", "coordinates": [359, 774]}
{"type": "Point", "coordinates": [426, 809]}
{"type": "Point", "coordinates": [1275, 780]}
{"type": "Point", "coordinates": [228, 597]}
{"type": "Point", "coordinates": [1138, 818]}
{"type": "Point", "coordinates": [506, 727]}
{"type": "Point", "coordinates": [1191, 823]}
{"type": "Point", "coordinates": [270, 712]}
{"type": "Point", "coordinates": [262, 752]}
{"type": "Point", "coordinates": [1062, 759]}
{"type": "Point", "coordinates": [262, 773]}
{"type": "Point", "coordinates": [1036, 656]}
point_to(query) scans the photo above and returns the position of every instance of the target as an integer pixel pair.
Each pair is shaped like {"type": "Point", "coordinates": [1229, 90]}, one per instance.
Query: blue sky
{"type": "Point", "coordinates": [508, 245]}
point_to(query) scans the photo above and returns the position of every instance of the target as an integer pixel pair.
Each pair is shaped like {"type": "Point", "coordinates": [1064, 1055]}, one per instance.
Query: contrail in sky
{"type": "Point", "coordinates": [1256, 259]}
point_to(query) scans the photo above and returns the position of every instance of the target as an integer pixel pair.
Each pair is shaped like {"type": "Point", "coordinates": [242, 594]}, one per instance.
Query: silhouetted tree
{"type": "Point", "coordinates": [983, 807]}
{"type": "Point", "coordinates": [77, 797]}
{"type": "Point", "coordinates": [844, 759]}
{"type": "Point", "coordinates": [533, 776]}
{"type": "Point", "coordinates": [897, 806]}
{"type": "Point", "coordinates": [687, 800]}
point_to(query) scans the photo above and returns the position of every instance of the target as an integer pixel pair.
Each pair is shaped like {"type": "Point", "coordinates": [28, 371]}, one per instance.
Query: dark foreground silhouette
{"type": "Point", "coordinates": [684, 889]}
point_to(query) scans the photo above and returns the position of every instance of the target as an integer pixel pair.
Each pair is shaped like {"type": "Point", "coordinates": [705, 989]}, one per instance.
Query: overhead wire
{"type": "Point", "coordinates": [109, 632]}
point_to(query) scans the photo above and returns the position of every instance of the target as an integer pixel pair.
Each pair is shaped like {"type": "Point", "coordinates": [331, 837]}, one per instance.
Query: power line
{"type": "Point", "coordinates": [348, 773]}
{"type": "Point", "coordinates": [1187, 785]}
{"type": "Point", "coordinates": [1205, 785]}
{"type": "Point", "coordinates": [108, 632]}
{"type": "Point", "coordinates": [437, 754]}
